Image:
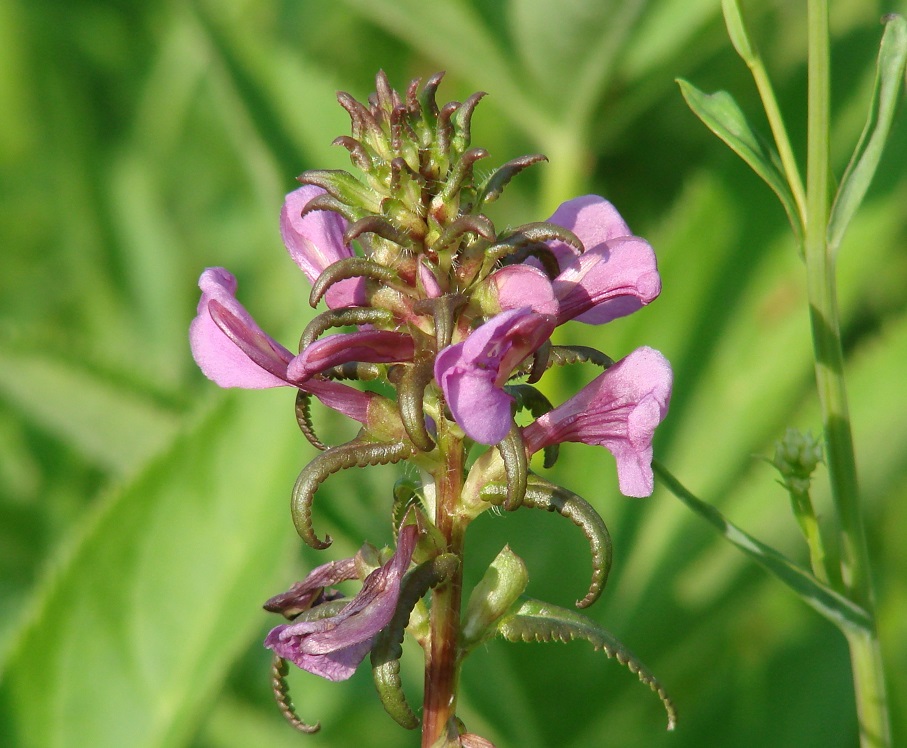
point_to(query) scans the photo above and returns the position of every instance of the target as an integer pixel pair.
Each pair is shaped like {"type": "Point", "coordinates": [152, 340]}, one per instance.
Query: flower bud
{"type": "Point", "coordinates": [502, 585]}
{"type": "Point", "coordinates": [796, 457]}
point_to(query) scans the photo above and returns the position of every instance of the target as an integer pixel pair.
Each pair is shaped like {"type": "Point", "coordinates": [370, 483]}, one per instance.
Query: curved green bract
{"type": "Point", "coordinates": [332, 205]}
{"type": "Point", "coordinates": [533, 233]}
{"type": "Point", "coordinates": [477, 225]}
{"type": "Point", "coordinates": [516, 467]}
{"type": "Point", "coordinates": [494, 185]}
{"type": "Point", "coordinates": [387, 649]}
{"type": "Point", "coordinates": [564, 355]}
{"type": "Point", "coordinates": [281, 691]}
{"type": "Point", "coordinates": [529, 398]}
{"type": "Point", "coordinates": [341, 318]}
{"type": "Point", "coordinates": [351, 267]}
{"type": "Point", "coordinates": [537, 621]}
{"type": "Point", "coordinates": [540, 494]}
{"type": "Point", "coordinates": [304, 419]}
{"type": "Point", "coordinates": [343, 186]}
{"type": "Point", "coordinates": [443, 309]}
{"type": "Point", "coordinates": [358, 371]}
{"type": "Point", "coordinates": [356, 453]}
{"type": "Point", "coordinates": [410, 401]}
{"type": "Point", "coordinates": [379, 226]}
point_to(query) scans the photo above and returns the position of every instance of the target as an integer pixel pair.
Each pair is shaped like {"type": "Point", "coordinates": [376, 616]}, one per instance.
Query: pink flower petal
{"type": "Point", "coordinates": [618, 410]}
{"type": "Point", "coordinates": [316, 240]}
{"type": "Point", "coordinates": [593, 219]}
{"type": "Point", "coordinates": [472, 373]}
{"type": "Point", "coordinates": [608, 281]}
{"type": "Point", "coordinates": [372, 346]}
{"type": "Point", "coordinates": [222, 351]}
{"type": "Point", "coordinates": [524, 285]}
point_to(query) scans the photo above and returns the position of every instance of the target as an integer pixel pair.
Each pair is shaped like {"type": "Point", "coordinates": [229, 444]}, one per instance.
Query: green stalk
{"type": "Point", "coordinates": [750, 55]}
{"type": "Point", "coordinates": [866, 658]}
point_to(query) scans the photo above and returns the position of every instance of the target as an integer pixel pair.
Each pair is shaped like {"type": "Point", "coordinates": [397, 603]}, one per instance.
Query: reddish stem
{"type": "Point", "coordinates": [442, 661]}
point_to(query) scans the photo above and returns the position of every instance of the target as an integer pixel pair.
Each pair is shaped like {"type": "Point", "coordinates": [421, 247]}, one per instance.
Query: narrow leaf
{"type": "Point", "coordinates": [868, 153]}
{"type": "Point", "coordinates": [835, 607]}
{"type": "Point", "coordinates": [720, 113]}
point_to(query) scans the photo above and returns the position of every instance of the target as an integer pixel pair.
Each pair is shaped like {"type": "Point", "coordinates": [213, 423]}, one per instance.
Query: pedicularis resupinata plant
{"type": "Point", "coordinates": [451, 323]}
{"type": "Point", "coordinates": [447, 323]}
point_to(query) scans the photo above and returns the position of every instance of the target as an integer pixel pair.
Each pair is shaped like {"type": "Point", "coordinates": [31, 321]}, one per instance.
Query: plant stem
{"type": "Point", "coordinates": [442, 662]}
{"type": "Point", "coordinates": [809, 524]}
{"type": "Point", "coordinates": [866, 659]}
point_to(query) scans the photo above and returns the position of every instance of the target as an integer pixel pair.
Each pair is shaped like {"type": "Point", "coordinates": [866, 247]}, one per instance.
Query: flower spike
{"type": "Point", "coordinates": [448, 326]}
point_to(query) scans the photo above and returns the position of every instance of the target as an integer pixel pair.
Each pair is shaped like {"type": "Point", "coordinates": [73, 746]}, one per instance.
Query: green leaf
{"type": "Point", "coordinates": [538, 621]}
{"type": "Point", "coordinates": [835, 607]}
{"type": "Point", "coordinates": [720, 113]}
{"type": "Point", "coordinates": [112, 425]}
{"type": "Point", "coordinates": [161, 592]}
{"type": "Point", "coordinates": [868, 153]}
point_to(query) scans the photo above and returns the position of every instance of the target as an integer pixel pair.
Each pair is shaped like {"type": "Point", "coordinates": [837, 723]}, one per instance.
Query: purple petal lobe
{"type": "Point", "coordinates": [227, 344]}
{"type": "Point", "coordinates": [472, 373]}
{"type": "Point", "coordinates": [344, 399]}
{"type": "Point", "coordinates": [592, 218]}
{"type": "Point", "coordinates": [372, 346]}
{"type": "Point", "coordinates": [618, 410]}
{"type": "Point", "coordinates": [303, 595]}
{"type": "Point", "coordinates": [523, 285]}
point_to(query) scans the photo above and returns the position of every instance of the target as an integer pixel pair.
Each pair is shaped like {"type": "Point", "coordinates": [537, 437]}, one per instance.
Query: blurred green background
{"type": "Point", "coordinates": [143, 511]}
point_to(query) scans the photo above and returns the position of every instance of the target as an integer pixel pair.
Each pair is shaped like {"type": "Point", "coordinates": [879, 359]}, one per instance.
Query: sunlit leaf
{"type": "Point", "coordinates": [721, 114]}
{"type": "Point", "coordinates": [829, 603]}
{"type": "Point", "coordinates": [160, 593]}
{"type": "Point", "coordinates": [889, 86]}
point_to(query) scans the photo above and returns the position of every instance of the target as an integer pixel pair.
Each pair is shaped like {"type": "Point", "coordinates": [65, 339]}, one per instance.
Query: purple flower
{"type": "Point", "coordinates": [472, 373]}
{"type": "Point", "coordinates": [333, 647]}
{"type": "Point", "coordinates": [233, 351]}
{"type": "Point", "coordinates": [618, 410]}
{"type": "Point", "coordinates": [315, 242]}
{"type": "Point", "coordinates": [615, 276]}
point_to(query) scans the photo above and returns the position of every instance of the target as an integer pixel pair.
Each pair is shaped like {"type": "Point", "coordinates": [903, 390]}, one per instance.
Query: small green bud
{"type": "Point", "coordinates": [796, 457]}
{"type": "Point", "coordinates": [500, 588]}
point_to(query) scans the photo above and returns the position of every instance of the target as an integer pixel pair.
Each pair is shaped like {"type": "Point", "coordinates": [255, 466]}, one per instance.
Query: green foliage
{"type": "Point", "coordinates": [141, 527]}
